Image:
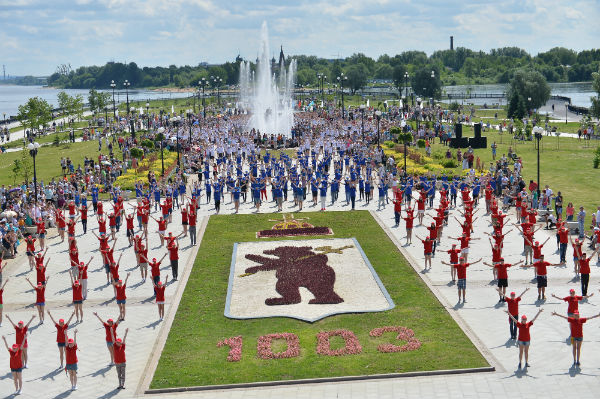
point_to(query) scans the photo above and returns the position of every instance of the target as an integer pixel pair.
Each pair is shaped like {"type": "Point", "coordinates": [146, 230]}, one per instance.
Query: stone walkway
{"type": "Point", "coordinates": [481, 316]}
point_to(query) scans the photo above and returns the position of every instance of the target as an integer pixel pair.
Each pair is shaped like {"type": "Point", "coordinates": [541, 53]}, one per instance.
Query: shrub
{"type": "Point", "coordinates": [421, 143]}
{"type": "Point", "coordinates": [136, 153]}
{"type": "Point", "coordinates": [454, 106]}
{"type": "Point", "coordinates": [449, 163]}
{"type": "Point", "coordinates": [149, 144]}
{"type": "Point", "coordinates": [597, 158]}
{"type": "Point", "coordinates": [389, 144]}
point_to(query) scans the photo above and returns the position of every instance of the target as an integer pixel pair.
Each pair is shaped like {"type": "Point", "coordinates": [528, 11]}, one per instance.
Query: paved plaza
{"type": "Point", "coordinates": [482, 318]}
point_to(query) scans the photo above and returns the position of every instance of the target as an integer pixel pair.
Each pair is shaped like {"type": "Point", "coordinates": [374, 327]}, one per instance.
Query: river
{"type": "Point", "coordinates": [12, 96]}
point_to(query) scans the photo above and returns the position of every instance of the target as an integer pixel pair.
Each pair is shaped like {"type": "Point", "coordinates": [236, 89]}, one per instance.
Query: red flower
{"type": "Point", "coordinates": [352, 346]}
{"type": "Point", "coordinates": [235, 345]}
{"type": "Point", "coordinates": [264, 350]}
{"type": "Point", "coordinates": [404, 334]}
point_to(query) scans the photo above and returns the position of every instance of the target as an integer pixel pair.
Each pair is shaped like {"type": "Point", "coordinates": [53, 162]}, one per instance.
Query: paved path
{"type": "Point", "coordinates": [550, 374]}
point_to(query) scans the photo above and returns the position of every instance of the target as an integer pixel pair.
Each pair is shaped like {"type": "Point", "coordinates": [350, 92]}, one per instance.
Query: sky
{"type": "Point", "coordinates": [38, 35]}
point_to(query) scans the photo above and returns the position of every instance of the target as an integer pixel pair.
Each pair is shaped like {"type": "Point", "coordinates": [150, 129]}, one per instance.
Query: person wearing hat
{"type": "Point", "coordinates": [524, 338]}
{"type": "Point", "coordinates": [21, 335]}
{"type": "Point", "coordinates": [502, 275]}
{"type": "Point", "coordinates": [16, 363]}
{"type": "Point", "coordinates": [77, 290]}
{"type": "Point", "coordinates": [542, 275]}
{"type": "Point", "coordinates": [573, 301]}
{"type": "Point", "coordinates": [461, 271]}
{"type": "Point", "coordinates": [41, 232]}
{"type": "Point", "coordinates": [110, 328]}
{"type": "Point", "coordinates": [159, 292]}
{"type": "Point", "coordinates": [121, 297]}
{"type": "Point", "coordinates": [513, 310]}
{"type": "Point", "coordinates": [577, 244]}
{"type": "Point", "coordinates": [40, 297]}
{"type": "Point", "coordinates": [71, 352]}
{"type": "Point", "coordinates": [61, 328]}
{"type": "Point", "coordinates": [576, 325]}
{"type": "Point", "coordinates": [119, 350]}
{"type": "Point", "coordinates": [584, 269]}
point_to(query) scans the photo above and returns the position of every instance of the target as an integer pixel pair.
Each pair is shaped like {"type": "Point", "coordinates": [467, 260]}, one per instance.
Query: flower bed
{"type": "Point", "coordinates": [403, 334]}
{"type": "Point", "coordinates": [352, 346]}
{"type": "Point", "coordinates": [153, 163]}
{"type": "Point", "coordinates": [301, 231]}
{"type": "Point", "coordinates": [264, 349]}
{"type": "Point", "coordinates": [235, 348]}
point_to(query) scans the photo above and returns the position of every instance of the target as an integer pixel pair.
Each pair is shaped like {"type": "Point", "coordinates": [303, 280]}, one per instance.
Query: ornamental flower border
{"type": "Point", "coordinates": [404, 334]}
{"type": "Point", "coordinates": [264, 348]}
{"type": "Point", "coordinates": [352, 346]}
{"type": "Point", "coordinates": [300, 231]}
{"type": "Point", "coordinates": [235, 348]}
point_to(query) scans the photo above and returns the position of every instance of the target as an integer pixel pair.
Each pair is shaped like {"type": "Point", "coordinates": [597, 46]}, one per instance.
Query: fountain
{"type": "Point", "coordinates": [266, 97]}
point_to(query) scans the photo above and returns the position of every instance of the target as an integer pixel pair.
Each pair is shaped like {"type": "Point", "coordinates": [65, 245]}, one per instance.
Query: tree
{"type": "Point", "coordinates": [35, 112]}
{"type": "Point", "coordinates": [357, 76]}
{"type": "Point", "coordinates": [64, 103]}
{"type": "Point", "coordinates": [425, 85]}
{"type": "Point", "coordinates": [398, 76]}
{"type": "Point", "coordinates": [528, 87]}
{"type": "Point", "coordinates": [595, 109]}
{"type": "Point", "coordinates": [77, 106]}
{"type": "Point", "coordinates": [516, 107]}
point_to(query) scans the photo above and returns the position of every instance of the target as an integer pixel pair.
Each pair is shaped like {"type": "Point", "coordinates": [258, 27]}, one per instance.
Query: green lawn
{"type": "Point", "coordinates": [48, 160]}
{"type": "Point", "coordinates": [566, 164]}
{"type": "Point", "coordinates": [191, 357]}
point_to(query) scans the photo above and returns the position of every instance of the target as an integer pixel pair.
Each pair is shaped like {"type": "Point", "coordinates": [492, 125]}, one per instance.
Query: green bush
{"type": "Point", "coordinates": [149, 144]}
{"type": "Point", "coordinates": [449, 163]}
{"type": "Point", "coordinates": [421, 143]}
{"type": "Point", "coordinates": [136, 153]}
{"type": "Point", "coordinates": [454, 106]}
{"type": "Point", "coordinates": [389, 144]}
{"type": "Point", "coordinates": [597, 158]}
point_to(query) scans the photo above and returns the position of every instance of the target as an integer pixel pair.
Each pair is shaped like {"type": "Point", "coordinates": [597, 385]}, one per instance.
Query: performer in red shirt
{"type": "Point", "coordinates": [16, 364]}
{"type": "Point", "coordinates": [454, 252]}
{"type": "Point", "coordinates": [573, 301]}
{"type": "Point", "coordinates": [159, 291]}
{"type": "Point", "coordinates": [21, 336]}
{"type": "Point", "coordinates": [461, 270]}
{"type": "Point", "coordinates": [30, 242]}
{"type": "Point", "coordinates": [71, 367]}
{"type": "Point", "coordinates": [119, 348]}
{"type": "Point", "coordinates": [502, 273]}
{"type": "Point", "coordinates": [542, 275]}
{"type": "Point", "coordinates": [40, 226]}
{"type": "Point", "coordinates": [524, 336]}
{"type": "Point", "coordinates": [129, 230]}
{"type": "Point", "coordinates": [121, 298]}
{"type": "Point", "coordinates": [173, 249]}
{"type": "Point", "coordinates": [61, 328]}
{"type": "Point", "coordinates": [40, 297]}
{"type": "Point", "coordinates": [427, 249]}
{"type": "Point", "coordinates": [77, 290]}
{"type": "Point", "coordinates": [162, 227]}
{"type": "Point", "coordinates": [110, 328]}
{"type": "Point", "coordinates": [83, 211]}
{"type": "Point", "coordinates": [410, 217]}
{"type": "Point", "coordinates": [192, 223]}
{"type": "Point", "coordinates": [155, 270]}
{"type": "Point", "coordinates": [576, 323]}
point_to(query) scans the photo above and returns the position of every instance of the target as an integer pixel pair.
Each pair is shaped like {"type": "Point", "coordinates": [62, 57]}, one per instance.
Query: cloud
{"type": "Point", "coordinates": [187, 32]}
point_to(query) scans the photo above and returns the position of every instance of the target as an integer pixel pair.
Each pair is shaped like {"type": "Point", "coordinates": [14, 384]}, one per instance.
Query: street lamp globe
{"type": "Point", "coordinates": [362, 107]}
{"type": "Point", "coordinates": [147, 105]}
{"type": "Point", "coordinates": [378, 114]}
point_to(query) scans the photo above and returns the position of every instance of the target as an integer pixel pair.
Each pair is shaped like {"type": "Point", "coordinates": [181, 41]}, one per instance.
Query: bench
{"type": "Point", "coordinates": [543, 214]}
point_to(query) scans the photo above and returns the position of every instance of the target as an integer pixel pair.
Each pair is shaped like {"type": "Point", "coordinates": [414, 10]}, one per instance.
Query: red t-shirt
{"type": "Point", "coordinates": [502, 270]}
{"type": "Point", "coordinates": [40, 228]}
{"type": "Point", "coordinates": [77, 295]}
{"type": "Point", "coordinates": [100, 208]}
{"type": "Point", "coordinates": [121, 292]}
{"type": "Point", "coordinates": [129, 221]}
{"type": "Point", "coordinates": [192, 218]}
{"type": "Point", "coordinates": [155, 269]}
{"type": "Point", "coordinates": [573, 303]}
{"type": "Point", "coordinates": [160, 293]}
{"type": "Point", "coordinates": [40, 296]}
{"type": "Point", "coordinates": [20, 333]}
{"type": "Point", "coordinates": [119, 353]}
{"type": "Point", "coordinates": [30, 244]}
{"type": "Point", "coordinates": [102, 226]}
{"type": "Point", "coordinates": [82, 272]}
{"type": "Point", "coordinates": [173, 252]}
{"type": "Point", "coordinates": [112, 220]}
{"type": "Point", "coordinates": [165, 208]}
{"type": "Point", "coordinates": [409, 221]}
{"type": "Point", "coordinates": [537, 251]}
{"type": "Point", "coordinates": [184, 216]}
{"type": "Point", "coordinates": [577, 326]}
{"type": "Point", "coordinates": [496, 254]}
{"type": "Point", "coordinates": [461, 270]}
{"type": "Point", "coordinates": [464, 242]}
{"type": "Point", "coordinates": [40, 274]}
{"type": "Point", "coordinates": [60, 332]}
{"type": "Point", "coordinates": [584, 266]}
{"type": "Point", "coordinates": [513, 305]}
{"type": "Point", "coordinates": [563, 236]}
{"type": "Point", "coordinates": [427, 246]}
{"type": "Point", "coordinates": [114, 271]}
{"type": "Point", "coordinates": [107, 330]}
{"type": "Point", "coordinates": [16, 359]}
{"type": "Point", "coordinates": [71, 228]}
{"type": "Point", "coordinates": [162, 225]}
{"type": "Point", "coordinates": [540, 267]}
{"type": "Point", "coordinates": [453, 255]}
{"type": "Point", "coordinates": [524, 331]}
{"type": "Point", "coordinates": [143, 255]}
{"type": "Point", "coordinates": [83, 212]}
{"type": "Point", "coordinates": [71, 354]}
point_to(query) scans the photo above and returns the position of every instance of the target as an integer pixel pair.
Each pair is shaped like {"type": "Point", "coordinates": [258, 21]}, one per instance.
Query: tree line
{"type": "Point", "coordinates": [452, 67]}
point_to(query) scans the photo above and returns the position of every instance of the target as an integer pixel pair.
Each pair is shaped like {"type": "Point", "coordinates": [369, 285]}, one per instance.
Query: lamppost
{"type": "Point", "coordinates": [378, 116]}
{"type": "Point", "coordinates": [433, 85]}
{"type": "Point", "coordinates": [528, 106]}
{"type": "Point", "coordinates": [148, 115]}
{"type": "Point", "coordinates": [131, 125]}
{"type": "Point", "coordinates": [105, 116]}
{"type": "Point", "coordinates": [538, 136]}
{"type": "Point", "coordinates": [176, 122]}
{"type": "Point", "coordinates": [406, 87]}
{"type": "Point", "coordinates": [161, 131]}
{"type": "Point", "coordinates": [322, 78]}
{"type": "Point", "coordinates": [341, 79]}
{"type": "Point", "coordinates": [113, 85]}
{"type": "Point", "coordinates": [418, 114]}
{"type": "Point", "coordinates": [203, 82]}
{"type": "Point", "coordinates": [189, 112]}
{"type": "Point", "coordinates": [566, 112]}
{"type": "Point", "coordinates": [362, 120]}
{"type": "Point", "coordinates": [33, 150]}
{"type": "Point", "coordinates": [217, 81]}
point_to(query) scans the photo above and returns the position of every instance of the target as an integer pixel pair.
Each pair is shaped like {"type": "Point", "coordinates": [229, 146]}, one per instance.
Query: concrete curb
{"type": "Point", "coordinates": [159, 344]}
{"type": "Point", "coordinates": [320, 380]}
{"type": "Point", "coordinates": [485, 352]}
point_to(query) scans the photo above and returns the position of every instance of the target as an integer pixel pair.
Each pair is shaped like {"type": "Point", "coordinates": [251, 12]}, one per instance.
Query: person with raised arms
{"type": "Point", "coordinates": [524, 338]}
